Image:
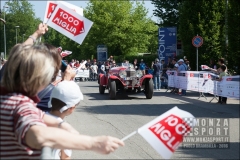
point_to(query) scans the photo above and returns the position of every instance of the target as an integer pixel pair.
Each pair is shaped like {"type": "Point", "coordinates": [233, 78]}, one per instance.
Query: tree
{"type": "Point", "coordinates": [122, 26]}
{"type": "Point", "coordinates": [233, 32]}
{"type": "Point", "coordinates": [19, 13]}
{"type": "Point", "coordinates": [205, 18]}
{"type": "Point", "coordinates": [167, 11]}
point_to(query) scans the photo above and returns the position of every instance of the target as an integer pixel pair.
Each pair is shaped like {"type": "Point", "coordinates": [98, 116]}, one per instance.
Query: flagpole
{"type": "Point", "coordinates": [81, 65]}
{"type": "Point", "coordinates": [128, 136]}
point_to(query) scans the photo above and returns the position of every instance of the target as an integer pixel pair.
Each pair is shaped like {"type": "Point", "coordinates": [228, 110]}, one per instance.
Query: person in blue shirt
{"type": "Point", "coordinates": [142, 67]}
{"type": "Point", "coordinates": [182, 67]}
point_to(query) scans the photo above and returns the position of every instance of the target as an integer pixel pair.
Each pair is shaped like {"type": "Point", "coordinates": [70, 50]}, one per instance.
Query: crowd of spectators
{"type": "Point", "coordinates": [95, 67]}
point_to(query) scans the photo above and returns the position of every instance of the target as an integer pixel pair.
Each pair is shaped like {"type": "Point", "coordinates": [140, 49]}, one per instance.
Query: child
{"type": "Point", "coordinates": [64, 99]}
{"type": "Point", "coordinates": [222, 69]}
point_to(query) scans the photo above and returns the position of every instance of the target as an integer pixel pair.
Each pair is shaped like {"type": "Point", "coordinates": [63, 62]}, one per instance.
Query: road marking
{"type": "Point", "coordinates": [178, 100]}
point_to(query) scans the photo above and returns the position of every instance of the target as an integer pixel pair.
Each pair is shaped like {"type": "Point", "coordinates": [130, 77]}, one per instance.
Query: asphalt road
{"type": "Point", "coordinates": [97, 115]}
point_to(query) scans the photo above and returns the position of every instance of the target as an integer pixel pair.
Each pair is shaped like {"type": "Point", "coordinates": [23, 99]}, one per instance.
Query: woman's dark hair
{"type": "Point", "coordinates": [57, 104]}
{"type": "Point", "coordinates": [221, 60]}
{"type": "Point", "coordinates": [57, 58]}
{"type": "Point", "coordinates": [212, 61]}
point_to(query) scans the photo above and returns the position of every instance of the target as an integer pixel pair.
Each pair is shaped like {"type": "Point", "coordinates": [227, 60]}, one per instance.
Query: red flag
{"type": "Point", "coordinates": [65, 53]}
{"type": "Point", "coordinates": [166, 132]}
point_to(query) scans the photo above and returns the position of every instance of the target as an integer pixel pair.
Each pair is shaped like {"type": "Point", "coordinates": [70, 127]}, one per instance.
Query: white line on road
{"type": "Point", "coordinates": [178, 100]}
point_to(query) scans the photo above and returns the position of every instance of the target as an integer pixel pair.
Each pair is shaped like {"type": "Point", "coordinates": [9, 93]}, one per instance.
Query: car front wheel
{"type": "Point", "coordinates": [149, 89]}
{"type": "Point", "coordinates": [112, 89]}
{"type": "Point", "coordinates": [101, 89]}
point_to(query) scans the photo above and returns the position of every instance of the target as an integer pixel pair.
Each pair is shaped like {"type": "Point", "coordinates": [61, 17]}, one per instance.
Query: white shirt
{"type": "Point", "coordinates": [57, 152]}
{"type": "Point", "coordinates": [103, 67]}
{"type": "Point", "coordinates": [94, 68]}
{"type": "Point", "coordinates": [72, 64]}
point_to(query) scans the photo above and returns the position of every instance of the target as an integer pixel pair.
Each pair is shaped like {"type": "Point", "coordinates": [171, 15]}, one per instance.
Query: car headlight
{"type": "Point", "coordinates": [123, 74]}
{"type": "Point", "coordinates": [139, 73]}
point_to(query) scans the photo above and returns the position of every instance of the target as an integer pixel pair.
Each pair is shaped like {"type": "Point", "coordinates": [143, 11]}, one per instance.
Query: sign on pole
{"type": "Point", "coordinates": [197, 41]}
{"type": "Point", "coordinates": [102, 53]}
{"type": "Point", "coordinates": [167, 42]}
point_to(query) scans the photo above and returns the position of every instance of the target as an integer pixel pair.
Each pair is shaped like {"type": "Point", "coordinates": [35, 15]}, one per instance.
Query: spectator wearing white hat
{"type": "Point", "coordinates": [182, 67]}
{"type": "Point", "coordinates": [64, 99]}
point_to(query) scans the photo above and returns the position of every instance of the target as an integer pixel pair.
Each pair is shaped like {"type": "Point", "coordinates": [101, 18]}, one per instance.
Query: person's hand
{"type": "Point", "coordinates": [68, 74]}
{"type": "Point", "coordinates": [106, 144]}
{"type": "Point", "coordinates": [42, 29]}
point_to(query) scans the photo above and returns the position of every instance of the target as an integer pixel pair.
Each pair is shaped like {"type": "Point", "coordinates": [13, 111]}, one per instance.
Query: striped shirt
{"type": "Point", "coordinates": [17, 114]}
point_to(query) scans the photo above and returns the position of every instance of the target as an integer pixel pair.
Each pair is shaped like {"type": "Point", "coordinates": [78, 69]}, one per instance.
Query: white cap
{"type": "Point", "coordinates": [176, 65]}
{"type": "Point", "coordinates": [181, 60]}
{"type": "Point", "coordinates": [68, 92]}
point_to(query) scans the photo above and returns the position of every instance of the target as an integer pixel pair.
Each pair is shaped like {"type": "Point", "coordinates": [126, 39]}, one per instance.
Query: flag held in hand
{"type": "Point", "coordinates": [165, 133]}
{"type": "Point", "coordinates": [65, 53]}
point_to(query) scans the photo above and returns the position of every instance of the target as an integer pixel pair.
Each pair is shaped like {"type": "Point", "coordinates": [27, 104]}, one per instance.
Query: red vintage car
{"type": "Point", "coordinates": [125, 77]}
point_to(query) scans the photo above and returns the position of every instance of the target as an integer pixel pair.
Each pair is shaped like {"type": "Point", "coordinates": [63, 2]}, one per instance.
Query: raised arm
{"type": "Point", "coordinates": [68, 74]}
{"type": "Point", "coordinates": [32, 131]}
{"type": "Point", "coordinates": [42, 29]}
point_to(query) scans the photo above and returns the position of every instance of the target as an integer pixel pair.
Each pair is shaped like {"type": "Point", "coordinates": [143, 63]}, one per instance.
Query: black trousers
{"type": "Point", "coordinates": [222, 99]}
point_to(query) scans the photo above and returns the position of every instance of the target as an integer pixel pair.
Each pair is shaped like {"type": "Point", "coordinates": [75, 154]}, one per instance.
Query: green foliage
{"type": "Point", "coordinates": [167, 11]}
{"type": "Point", "coordinates": [122, 26]}
{"type": "Point", "coordinates": [19, 13]}
{"type": "Point", "coordinates": [205, 18]}
{"type": "Point", "coordinates": [234, 35]}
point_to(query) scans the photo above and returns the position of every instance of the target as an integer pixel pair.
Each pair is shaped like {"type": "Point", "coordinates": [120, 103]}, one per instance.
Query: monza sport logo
{"type": "Point", "coordinates": [208, 133]}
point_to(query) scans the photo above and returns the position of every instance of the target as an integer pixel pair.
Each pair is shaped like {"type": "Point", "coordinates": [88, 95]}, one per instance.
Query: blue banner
{"type": "Point", "coordinates": [102, 53]}
{"type": "Point", "coordinates": [167, 43]}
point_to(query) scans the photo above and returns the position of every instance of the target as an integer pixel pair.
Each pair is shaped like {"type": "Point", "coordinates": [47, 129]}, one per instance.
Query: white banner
{"type": "Point", "coordinates": [171, 75]}
{"type": "Point", "coordinates": [205, 82]}
{"type": "Point", "coordinates": [70, 23]}
{"type": "Point", "coordinates": [165, 133]}
{"type": "Point", "coordinates": [82, 73]}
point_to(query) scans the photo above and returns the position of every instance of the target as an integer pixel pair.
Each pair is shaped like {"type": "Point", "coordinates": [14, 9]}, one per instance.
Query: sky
{"type": "Point", "coordinates": [39, 7]}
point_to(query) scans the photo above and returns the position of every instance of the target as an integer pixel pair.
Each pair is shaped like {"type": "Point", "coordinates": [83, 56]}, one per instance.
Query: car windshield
{"type": "Point", "coordinates": [127, 65]}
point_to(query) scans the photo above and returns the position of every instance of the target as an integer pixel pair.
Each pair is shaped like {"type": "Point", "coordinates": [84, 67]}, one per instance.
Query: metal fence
{"type": "Point", "coordinates": [47, 153]}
